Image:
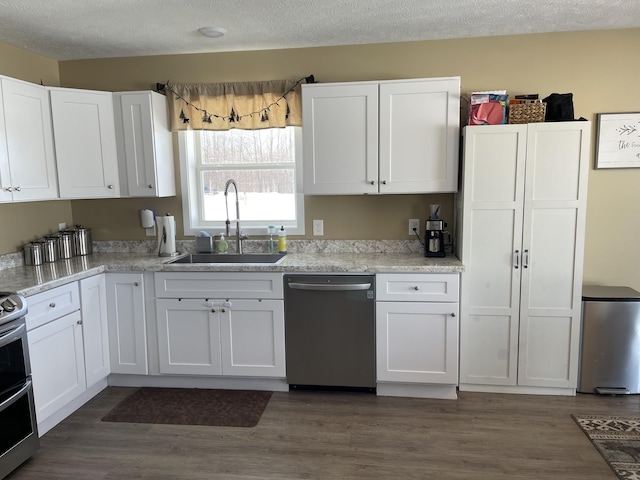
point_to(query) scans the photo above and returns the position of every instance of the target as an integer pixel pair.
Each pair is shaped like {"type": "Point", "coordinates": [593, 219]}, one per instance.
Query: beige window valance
{"type": "Point", "coordinates": [244, 105]}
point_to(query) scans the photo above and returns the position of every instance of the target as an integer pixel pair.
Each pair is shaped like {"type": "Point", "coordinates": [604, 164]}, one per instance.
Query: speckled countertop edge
{"type": "Point", "coordinates": [29, 280]}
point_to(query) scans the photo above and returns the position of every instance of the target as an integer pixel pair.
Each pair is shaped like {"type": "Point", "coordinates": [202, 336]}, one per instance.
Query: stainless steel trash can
{"type": "Point", "coordinates": [610, 346]}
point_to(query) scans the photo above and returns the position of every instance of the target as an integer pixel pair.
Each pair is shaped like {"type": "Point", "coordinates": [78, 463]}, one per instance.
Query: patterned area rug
{"type": "Point", "coordinates": [190, 406]}
{"type": "Point", "coordinates": [617, 439]}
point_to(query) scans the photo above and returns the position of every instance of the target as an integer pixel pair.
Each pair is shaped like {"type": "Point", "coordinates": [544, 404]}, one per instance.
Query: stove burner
{"type": "Point", "coordinates": [12, 306]}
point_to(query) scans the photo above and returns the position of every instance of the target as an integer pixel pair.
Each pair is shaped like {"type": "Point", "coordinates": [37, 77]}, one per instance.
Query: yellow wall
{"type": "Point", "coordinates": [598, 67]}
{"type": "Point", "coordinates": [22, 222]}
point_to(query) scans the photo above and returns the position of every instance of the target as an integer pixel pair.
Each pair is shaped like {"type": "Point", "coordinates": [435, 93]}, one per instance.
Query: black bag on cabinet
{"type": "Point", "coordinates": [559, 107]}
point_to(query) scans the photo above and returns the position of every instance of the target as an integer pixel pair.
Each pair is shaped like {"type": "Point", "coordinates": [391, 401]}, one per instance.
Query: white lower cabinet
{"type": "Point", "coordinates": [93, 304]}
{"type": "Point", "coordinates": [417, 334]}
{"type": "Point", "coordinates": [127, 324]}
{"type": "Point", "coordinates": [57, 364]}
{"type": "Point", "coordinates": [220, 323]}
{"type": "Point", "coordinates": [68, 348]}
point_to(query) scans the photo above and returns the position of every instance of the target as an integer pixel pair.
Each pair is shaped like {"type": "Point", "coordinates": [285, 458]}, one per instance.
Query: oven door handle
{"type": "Point", "coordinates": [330, 287]}
{"type": "Point", "coordinates": [11, 334]}
{"type": "Point", "coordinates": [16, 396]}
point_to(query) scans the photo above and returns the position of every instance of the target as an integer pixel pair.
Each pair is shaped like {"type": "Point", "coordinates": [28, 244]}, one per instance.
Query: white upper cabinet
{"type": "Point", "coordinates": [381, 137]}
{"type": "Point", "coordinates": [27, 161]}
{"type": "Point", "coordinates": [145, 145]}
{"type": "Point", "coordinates": [85, 143]}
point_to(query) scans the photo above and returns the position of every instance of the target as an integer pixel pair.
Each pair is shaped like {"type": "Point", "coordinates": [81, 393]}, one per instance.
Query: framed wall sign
{"type": "Point", "coordinates": [618, 140]}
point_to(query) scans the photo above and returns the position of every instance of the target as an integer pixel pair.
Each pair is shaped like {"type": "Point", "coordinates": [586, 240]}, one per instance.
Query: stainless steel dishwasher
{"type": "Point", "coordinates": [330, 331]}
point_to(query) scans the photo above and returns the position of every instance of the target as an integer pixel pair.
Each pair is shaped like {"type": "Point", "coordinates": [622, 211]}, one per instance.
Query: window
{"type": "Point", "coordinates": [266, 166]}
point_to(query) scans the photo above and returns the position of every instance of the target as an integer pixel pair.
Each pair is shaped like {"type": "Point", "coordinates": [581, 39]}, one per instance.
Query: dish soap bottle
{"type": "Point", "coordinates": [282, 240]}
{"type": "Point", "coordinates": [223, 246]}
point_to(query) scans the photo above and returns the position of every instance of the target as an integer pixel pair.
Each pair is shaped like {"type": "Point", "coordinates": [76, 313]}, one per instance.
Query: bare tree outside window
{"type": "Point", "coordinates": [262, 162]}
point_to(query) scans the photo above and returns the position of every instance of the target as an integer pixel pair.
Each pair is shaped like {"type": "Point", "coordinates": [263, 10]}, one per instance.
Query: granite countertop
{"type": "Point", "coordinates": [29, 280]}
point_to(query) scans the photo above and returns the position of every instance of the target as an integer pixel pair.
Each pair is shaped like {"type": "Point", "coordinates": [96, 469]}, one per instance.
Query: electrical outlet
{"type": "Point", "coordinates": [318, 227]}
{"type": "Point", "coordinates": [414, 223]}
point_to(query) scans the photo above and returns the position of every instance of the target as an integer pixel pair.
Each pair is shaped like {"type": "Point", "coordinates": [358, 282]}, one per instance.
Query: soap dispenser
{"type": "Point", "coordinates": [282, 240]}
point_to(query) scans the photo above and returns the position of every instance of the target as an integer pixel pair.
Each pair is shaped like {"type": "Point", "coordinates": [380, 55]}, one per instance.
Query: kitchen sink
{"type": "Point", "coordinates": [270, 258]}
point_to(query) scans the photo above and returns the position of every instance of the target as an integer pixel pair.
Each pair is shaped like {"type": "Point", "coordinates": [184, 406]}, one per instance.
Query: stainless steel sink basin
{"type": "Point", "coordinates": [269, 258]}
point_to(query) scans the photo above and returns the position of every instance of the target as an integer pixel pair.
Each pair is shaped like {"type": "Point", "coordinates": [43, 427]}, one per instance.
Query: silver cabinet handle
{"type": "Point", "coordinates": [150, 186]}
{"type": "Point", "coordinates": [372, 182]}
{"type": "Point", "coordinates": [79, 322]}
{"type": "Point", "coordinates": [384, 182]}
{"type": "Point", "coordinates": [416, 288]}
{"type": "Point", "coordinates": [18, 189]}
{"type": "Point", "coordinates": [8, 189]}
{"type": "Point", "coordinates": [516, 259]}
{"type": "Point", "coordinates": [110, 187]}
{"type": "Point", "coordinates": [135, 284]}
{"type": "Point", "coordinates": [453, 314]}
{"type": "Point", "coordinates": [52, 305]}
{"type": "Point", "coordinates": [525, 259]}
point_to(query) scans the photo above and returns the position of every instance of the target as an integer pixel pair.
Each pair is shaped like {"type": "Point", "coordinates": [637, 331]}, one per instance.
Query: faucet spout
{"type": "Point", "coordinates": [230, 182]}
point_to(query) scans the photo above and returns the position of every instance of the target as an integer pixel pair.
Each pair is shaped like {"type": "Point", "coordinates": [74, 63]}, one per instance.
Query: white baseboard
{"type": "Point", "coordinates": [176, 381]}
{"type": "Point", "coordinates": [444, 392]}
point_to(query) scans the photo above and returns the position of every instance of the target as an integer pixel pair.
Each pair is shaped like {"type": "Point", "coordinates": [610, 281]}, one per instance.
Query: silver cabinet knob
{"type": "Point", "coordinates": [416, 288]}
{"type": "Point", "coordinates": [384, 182]}
{"type": "Point", "coordinates": [9, 189]}
{"type": "Point", "coordinates": [135, 284]}
{"type": "Point", "coordinates": [110, 187]}
{"type": "Point", "coordinates": [52, 305]}
{"type": "Point", "coordinates": [150, 186]}
{"type": "Point", "coordinates": [372, 182]}
{"type": "Point", "coordinates": [79, 322]}
{"type": "Point", "coordinates": [453, 314]}
{"type": "Point", "coordinates": [18, 189]}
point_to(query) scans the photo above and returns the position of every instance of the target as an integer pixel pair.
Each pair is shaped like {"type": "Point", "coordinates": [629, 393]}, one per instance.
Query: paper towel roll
{"type": "Point", "coordinates": [166, 235]}
{"type": "Point", "coordinates": [146, 218]}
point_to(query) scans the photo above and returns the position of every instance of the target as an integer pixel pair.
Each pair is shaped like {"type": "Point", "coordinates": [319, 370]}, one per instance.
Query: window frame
{"type": "Point", "coordinates": [191, 208]}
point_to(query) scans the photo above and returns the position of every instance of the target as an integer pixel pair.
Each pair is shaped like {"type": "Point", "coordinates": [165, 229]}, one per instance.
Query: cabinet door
{"type": "Point", "coordinates": [417, 342]}
{"type": "Point", "coordinates": [493, 193]}
{"type": "Point", "coordinates": [127, 325]}
{"type": "Point", "coordinates": [57, 363]}
{"type": "Point", "coordinates": [95, 335]}
{"type": "Point", "coordinates": [340, 138]}
{"type": "Point", "coordinates": [419, 135]}
{"type": "Point", "coordinates": [27, 161]}
{"type": "Point", "coordinates": [188, 337]}
{"type": "Point", "coordinates": [145, 144]}
{"type": "Point", "coordinates": [85, 143]}
{"type": "Point", "coordinates": [552, 249]}
{"type": "Point", "coordinates": [252, 338]}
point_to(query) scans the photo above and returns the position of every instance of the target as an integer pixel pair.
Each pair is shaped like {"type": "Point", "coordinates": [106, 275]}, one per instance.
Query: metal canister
{"type": "Point", "coordinates": [33, 254]}
{"type": "Point", "coordinates": [82, 240]}
{"type": "Point", "coordinates": [49, 249]}
{"type": "Point", "coordinates": [65, 244]}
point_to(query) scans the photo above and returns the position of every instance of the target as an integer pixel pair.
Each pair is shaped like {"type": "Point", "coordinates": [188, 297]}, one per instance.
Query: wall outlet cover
{"type": "Point", "coordinates": [318, 227]}
{"type": "Point", "coordinates": [414, 223]}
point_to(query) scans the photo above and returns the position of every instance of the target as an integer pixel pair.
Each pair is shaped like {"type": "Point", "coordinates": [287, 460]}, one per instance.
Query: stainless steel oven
{"type": "Point", "coordinates": [19, 438]}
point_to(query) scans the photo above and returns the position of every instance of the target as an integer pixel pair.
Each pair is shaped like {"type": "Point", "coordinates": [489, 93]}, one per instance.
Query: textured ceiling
{"type": "Point", "coordinates": [81, 29]}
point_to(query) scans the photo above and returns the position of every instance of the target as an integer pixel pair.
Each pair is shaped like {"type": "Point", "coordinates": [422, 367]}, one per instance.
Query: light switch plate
{"type": "Point", "coordinates": [318, 227]}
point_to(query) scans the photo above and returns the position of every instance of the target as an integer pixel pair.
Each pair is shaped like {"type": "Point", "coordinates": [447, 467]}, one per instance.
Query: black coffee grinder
{"type": "Point", "coordinates": [434, 234]}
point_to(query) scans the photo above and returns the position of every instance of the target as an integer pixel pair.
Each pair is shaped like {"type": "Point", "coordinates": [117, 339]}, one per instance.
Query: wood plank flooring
{"type": "Point", "coordinates": [336, 435]}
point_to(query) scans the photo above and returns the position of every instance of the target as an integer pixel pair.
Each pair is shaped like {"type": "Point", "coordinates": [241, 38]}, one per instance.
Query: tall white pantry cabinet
{"type": "Point", "coordinates": [522, 220]}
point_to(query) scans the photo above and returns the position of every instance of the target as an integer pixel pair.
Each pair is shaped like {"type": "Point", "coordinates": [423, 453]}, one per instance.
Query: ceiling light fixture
{"type": "Point", "coordinates": [212, 32]}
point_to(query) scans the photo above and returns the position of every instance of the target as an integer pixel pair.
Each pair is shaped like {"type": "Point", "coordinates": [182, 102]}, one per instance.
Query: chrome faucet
{"type": "Point", "coordinates": [239, 236]}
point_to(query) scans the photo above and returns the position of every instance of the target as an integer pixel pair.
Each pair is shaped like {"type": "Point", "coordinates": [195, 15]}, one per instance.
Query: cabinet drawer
{"type": "Point", "coordinates": [218, 285]}
{"type": "Point", "coordinates": [55, 303]}
{"type": "Point", "coordinates": [418, 287]}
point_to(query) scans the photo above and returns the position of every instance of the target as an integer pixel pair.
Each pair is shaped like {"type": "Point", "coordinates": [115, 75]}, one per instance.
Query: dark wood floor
{"type": "Point", "coordinates": [321, 435]}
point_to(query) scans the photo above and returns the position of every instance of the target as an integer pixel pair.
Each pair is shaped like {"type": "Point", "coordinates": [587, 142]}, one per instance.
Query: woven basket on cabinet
{"type": "Point", "coordinates": [527, 112]}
